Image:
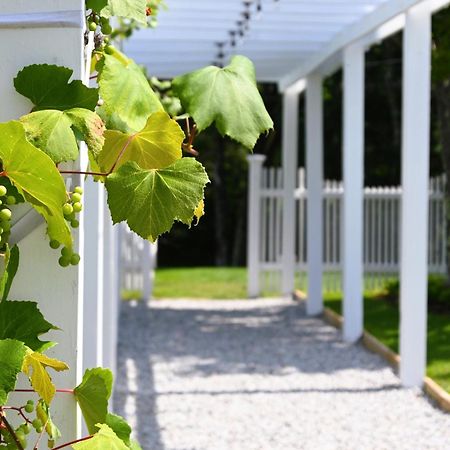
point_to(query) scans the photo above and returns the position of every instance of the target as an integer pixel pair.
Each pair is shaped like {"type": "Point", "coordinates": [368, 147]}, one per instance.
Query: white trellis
{"type": "Point", "coordinates": [381, 242]}
{"type": "Point", "coordinates": [137, 264]}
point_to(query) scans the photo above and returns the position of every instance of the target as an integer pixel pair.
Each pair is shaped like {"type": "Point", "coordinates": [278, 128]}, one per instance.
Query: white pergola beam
{"type": "Point", "coordinates": [314, 183]}
{"type": "Point", "coordinates": [415, 173]}
{"type": "Point", "coordinates": [353, 174]}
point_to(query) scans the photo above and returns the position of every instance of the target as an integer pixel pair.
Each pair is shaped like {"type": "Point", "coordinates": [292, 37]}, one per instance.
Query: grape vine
{"type": "Point", "coordinates": [140, 138]}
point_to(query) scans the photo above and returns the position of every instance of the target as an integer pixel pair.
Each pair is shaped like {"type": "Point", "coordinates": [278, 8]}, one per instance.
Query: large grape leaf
{"type": "Point", "coordinates": [92, 394]}
{"type": "Point", "coordinates": [12, 353]}
{"type": "Point", "coordinates": [52, 131]}
{"type": "Point", "coordinates": [9, 272]}
{"type": "Point", "coordinates": [39, 377]}
{"type": "Point", "coordinates": [128, 98]}
{"type": "Point", "coordinates": [129, 9]}
{"type": "Point", "coordinates": [37, 179]}
{"type": "Point", "coordinates": [157, 145]}
{"type": "Point", "coordinates": [229, 97]}
{"type": "Point", "coordinates": [151, 200]}
{"type": "Point", "coordinates": [48, 87]}
{"type": "Point", "coordinates": [24, 322]}
{"type": "Point", "coordinates": [104, 439]}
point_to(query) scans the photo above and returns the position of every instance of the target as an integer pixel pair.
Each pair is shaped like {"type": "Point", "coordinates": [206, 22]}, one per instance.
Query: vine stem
{"type": "Point", "coordinates": [11, 432]}
{"type": "Point", "coordinates": [40, 435]}
{"type": "Point", "coordinates": [64, 391]}
{"type": "Point", "coordinates": [73, 442]}
{"type": "Point", "coordinates": [19, 411]}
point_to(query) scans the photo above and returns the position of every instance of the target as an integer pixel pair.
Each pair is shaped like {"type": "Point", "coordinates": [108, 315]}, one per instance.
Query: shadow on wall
{"type": "Point", "coordinates": [191, 342]}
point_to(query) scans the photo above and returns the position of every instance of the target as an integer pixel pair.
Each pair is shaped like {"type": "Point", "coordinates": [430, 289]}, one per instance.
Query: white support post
{"type": "Point", "coordinates": [353, 173]}
{"type": "Point", "coordinates": [254, 223]}
{"type": "Point", "coordinates": [314, 184]}
{"type": "Point", "coordinates": [148, 269]}
{"type": "Point", "coordinates": [52, 32]}
{"type": "Point", "coordinates": [290, 164]}
{"type": "Point", "coordinates": [415, 171]}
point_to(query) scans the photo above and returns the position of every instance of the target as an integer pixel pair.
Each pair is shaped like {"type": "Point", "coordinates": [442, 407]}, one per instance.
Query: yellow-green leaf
{"type": "Point", "coordinates": [104, 439]}
{"type": "Point", "coordinates": [35, 366]}
{"type": "Point", "coordinates": [156, 146]}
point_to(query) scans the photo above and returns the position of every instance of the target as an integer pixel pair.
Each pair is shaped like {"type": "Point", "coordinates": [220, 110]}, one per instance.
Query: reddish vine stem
{"type": "Point", "coordinates": [11, 432]}
{"type": "Point", "coordinates": [19, 411]}
{"type": "Point", "coordinates": [40, 436]}
{"type": "Point", "coordinates": [73, 442]}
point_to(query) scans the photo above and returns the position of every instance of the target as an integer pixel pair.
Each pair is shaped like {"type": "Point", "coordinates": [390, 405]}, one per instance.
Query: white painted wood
{"type": "Point", "coordinates": [415, 169]}
{"type": "Point", "coordinates": [58, 291]}
{"type": "Point", "coordinates": [290, 168]}
{"type": "Point", "coordinates": [94, 225]}
{"type": "Point", "coordinates": [314, 182]}
{"type": "Point", "coordinates": [353, 172]}
{"type": "Point", "coordinates": [253, 227]}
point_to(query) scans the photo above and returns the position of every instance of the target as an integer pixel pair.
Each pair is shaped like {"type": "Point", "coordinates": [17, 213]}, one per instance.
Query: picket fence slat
{"type": "Point", "coordinates": [382, 207]}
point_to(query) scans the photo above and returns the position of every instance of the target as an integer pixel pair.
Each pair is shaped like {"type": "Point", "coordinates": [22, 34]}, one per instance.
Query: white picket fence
{"type": "Point", "coordinates": [381, 231]}
{"type": "Point", "coordinates": [137, 264]}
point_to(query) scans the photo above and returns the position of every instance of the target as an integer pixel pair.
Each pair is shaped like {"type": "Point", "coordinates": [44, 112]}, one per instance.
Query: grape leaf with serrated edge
{"type": "Point", "coordinates": [151, 200]}
{"type": "Point", "coordinates": [157, 145]}
{"type": "Point", "coordinates": [228, 97]}
{"type": "Point", "coordinates": [12, 354]}
{"type": "Point", "coordinates": [48, 87]}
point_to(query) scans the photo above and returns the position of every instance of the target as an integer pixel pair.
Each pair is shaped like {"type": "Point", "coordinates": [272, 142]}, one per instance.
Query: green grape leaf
{"type": "Point", "coordinates": [156, 146]}
{"type": "Point", "coordinates": [11, 266]}
{"type": "Point", "coordinates": [92, 394]}
{"type": "Point", "coordinates": [35, 367]}
{"type": "Point", "coordinates": [43, 414]}
{"type": "Point", "coordinates": [96, 5]}
{"type": "Point", "coordinates": [12, 354]}
{"type": "Point", "coordinates": [134, 445]}
{"type": "Point", "coordinates": [37, 179]}
{"type": "Point", "coordinates": [119, 425]}
{"type": "Point", "coordinates": [229, 97]}
{"type": "Point", "coordinates": [128, 98]}
{"type": "Point", "coordinates": [151, 200]}
{"type": "Point", "coordinates": [129, 9]}
{"type": "Point", "coordinates": [104, 439]}
{"type": "Point", "coordinates": [24, 322]}
{"type": "Point", "coordinates": [48, 87]}
{"type": "Point", "coordinates": [52, 131]}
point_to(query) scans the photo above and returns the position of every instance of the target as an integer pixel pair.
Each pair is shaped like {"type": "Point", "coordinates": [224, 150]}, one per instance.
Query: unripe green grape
{"type": "Point", "coordinates": [92, 26]}
{"type": "Point", "coordinates": [20, 434]}
{"type": "Point", "coordinates": [77, 207]}
{"type": "Point", "coordinates": [76, 197]}
{"type": "Point", "coordinates": [74, 223]}
{"type": "Point", "coordinates": [106, 28]}
{"type": "Point", "coordinates": [106, 40]}
{"type": "Point", "coordinates": [109, 49]}
{"type": "Point", "coordinates": [5, 214]}
{"type": "Point", "coordinates": [11, 200]}
{"type": "Point", "coordinates": [66, 252]}
{"type": "Point", "coordinates": [36, 423]}
{"type": "Point", "coordinates": [78, 190]}
{"type": "Point", "coordinates": [50, 443]}
{"type": "Point", "coordinates": [75, 259]}
{"type": "Point", "coordinates": [6, 225]}
{"type": "Point", "coordinates": [71, 216]}
{"type": "Point", "coordinates": [3, 191]}
{"type": "Point", "coordinates": [67, 209]}
{"type": "Point", "coordinates": [29, 408]}
{"type": "Point", "coordinates": [63, 262]}
{"type": "Point", "coordinates": [54, 244]}
{"type": "Point", "coordinates": [26, 428]}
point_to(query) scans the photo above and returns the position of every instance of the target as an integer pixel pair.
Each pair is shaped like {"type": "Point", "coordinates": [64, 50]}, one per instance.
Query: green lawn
{"type": "Point", "coordinates": [382, 318]}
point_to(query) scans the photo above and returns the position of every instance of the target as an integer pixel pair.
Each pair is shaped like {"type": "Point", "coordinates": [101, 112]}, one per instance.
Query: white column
{"type": "Point", "coordinates": [94, 199]}
{"type": "Point", "coordinates": [58, 291]}
{"type": "Point", "coordinates": [353, 173]}
{"type": "Point", "coordinates": [314, 185]}
{"type": "Point", "coordinates": [290, 165]}
{"type": "Point", "coordinates": [148, 269]}
{"type": "Point", "coordinates": [415, 172]}
{"type": "Point", "coordinates": [254, 223]}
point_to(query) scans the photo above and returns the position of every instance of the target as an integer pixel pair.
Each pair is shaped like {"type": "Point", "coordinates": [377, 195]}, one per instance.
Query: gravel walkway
{"type": "Point", "coordinates": [260, 375]}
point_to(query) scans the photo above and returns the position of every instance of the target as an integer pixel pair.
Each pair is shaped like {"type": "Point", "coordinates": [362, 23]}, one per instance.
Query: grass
{"type": "Point", "coordinates": [381, 319]}
{"type": "Point", "coordinates": [201, 283]}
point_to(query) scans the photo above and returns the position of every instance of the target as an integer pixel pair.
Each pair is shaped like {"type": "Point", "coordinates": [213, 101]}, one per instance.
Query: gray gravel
{"type": "Point", "coordinates": [260, 375]}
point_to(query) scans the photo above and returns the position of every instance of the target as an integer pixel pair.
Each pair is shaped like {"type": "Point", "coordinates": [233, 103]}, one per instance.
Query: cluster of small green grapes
{"type": "Point", "coordinates": [94, 22]}
{"type": "Point", "coordinates": [5, 215]}
{"type": "Point", "coordinates": [8, 441]}
{"type": "Point", "coordinates": [70, 210]}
